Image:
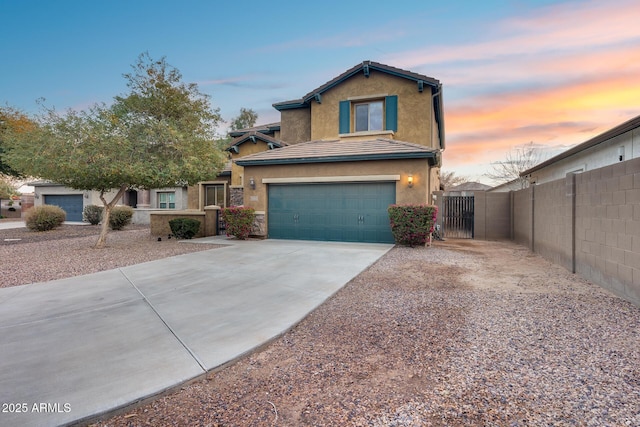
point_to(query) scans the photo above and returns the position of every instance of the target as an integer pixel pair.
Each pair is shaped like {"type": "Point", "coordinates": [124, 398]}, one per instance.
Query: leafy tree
{"type": "Point", "coordinates": [517, 161]}
{"type": "Point", "coordinates": [14, 121]}
{"type": "Point", "coordinates": [246, 119]}
{"type": "Point", "coordinates": [7, 189]}
{"type": "Point", "coordinates": [160, 134]}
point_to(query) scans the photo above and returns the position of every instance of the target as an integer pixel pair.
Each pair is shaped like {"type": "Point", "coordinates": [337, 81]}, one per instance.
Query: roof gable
{"type": "Point", "coordinates": [254, 136]}
{"type": "Point", "coordinates": [365, 67]}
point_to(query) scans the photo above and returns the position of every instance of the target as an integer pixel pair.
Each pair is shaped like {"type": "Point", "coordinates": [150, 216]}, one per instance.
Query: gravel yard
{"type": "Point", "coordinates": [28, 257]}
{"type": "Point", "coordinates": [461, 333]}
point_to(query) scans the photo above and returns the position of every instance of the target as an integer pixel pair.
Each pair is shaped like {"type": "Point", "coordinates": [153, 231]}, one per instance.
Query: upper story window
{"type": "Point", "coordinates": [369, 115]}
{"type": "Point", "coordinates": [167, 200]}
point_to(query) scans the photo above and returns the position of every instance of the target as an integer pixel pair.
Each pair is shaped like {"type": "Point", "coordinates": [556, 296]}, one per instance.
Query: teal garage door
{"type": "Point", "coordinates": [70, 203]}
{"type": "Point", "coordinates": [345, 212]}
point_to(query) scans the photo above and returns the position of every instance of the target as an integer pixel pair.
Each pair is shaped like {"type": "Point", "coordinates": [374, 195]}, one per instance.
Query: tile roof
{"type": "Point", "coordinates": [268, 128]}
{"type": "Point", "coordinates": [339, 151]}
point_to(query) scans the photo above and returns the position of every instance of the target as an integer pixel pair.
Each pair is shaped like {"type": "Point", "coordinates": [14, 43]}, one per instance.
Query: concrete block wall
{"type": "Point", "coordinates": [553, 222]}
{"type": "Point", "coordinates": [522, 217]}
{"type": "Point", "coordinates": [608, 228]}
{"type": "Point", "coordinates": [589, 223]}
{"type": "Point", "coordinates": [492, 216]}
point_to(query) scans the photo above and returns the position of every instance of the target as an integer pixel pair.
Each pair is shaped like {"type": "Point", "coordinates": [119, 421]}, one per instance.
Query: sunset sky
{"type": "Point", "coordinates": [554, 73]}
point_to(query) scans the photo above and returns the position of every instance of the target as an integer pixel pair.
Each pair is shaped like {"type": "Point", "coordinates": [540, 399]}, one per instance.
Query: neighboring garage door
{"type": "Point", "coordinates": [348, 212]}
{"type": "Point", "coordinates": [70, 203]}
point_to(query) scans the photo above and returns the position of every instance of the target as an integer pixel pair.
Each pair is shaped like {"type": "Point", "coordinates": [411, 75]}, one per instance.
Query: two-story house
{"type": "Point", "coordinates": [344, 152]}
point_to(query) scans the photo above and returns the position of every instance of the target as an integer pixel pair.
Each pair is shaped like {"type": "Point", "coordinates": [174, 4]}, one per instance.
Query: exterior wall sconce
{"type": "Point", "coordinates": [410, 181]}
{"type": "Point", "coordinates": [252, 183]}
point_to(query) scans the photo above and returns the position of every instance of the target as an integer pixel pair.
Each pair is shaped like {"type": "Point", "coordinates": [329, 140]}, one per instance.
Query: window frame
{"type": "Point", "coordinates": [369, 114]}
{"type": "Point", "coordinates": [224, 193]}
{"type": "Point", "coordinates": [169, 195]}
{"type": "Point", "coordinates": [347, 115]}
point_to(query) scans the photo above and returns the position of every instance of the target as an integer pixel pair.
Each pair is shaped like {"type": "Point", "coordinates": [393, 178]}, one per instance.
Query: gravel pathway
{"type": "Point", "coordinates": [461, 333]}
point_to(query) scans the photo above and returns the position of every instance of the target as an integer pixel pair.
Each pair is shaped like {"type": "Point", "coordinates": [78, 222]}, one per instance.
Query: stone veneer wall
{"type": "Point", "coordinates": [236, 196]}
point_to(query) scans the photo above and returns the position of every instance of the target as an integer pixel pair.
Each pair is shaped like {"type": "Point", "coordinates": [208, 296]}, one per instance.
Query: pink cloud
{"type": "Point", "coordinates": [551, 29]}
{"type": "Point", "coordinates": [484, 129]}
{"type": "Point", "coordinates": [557, 77]}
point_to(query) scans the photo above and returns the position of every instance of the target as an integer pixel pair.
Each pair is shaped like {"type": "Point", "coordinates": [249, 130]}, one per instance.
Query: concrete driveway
{"type": "Point", "coordinates": [78, 347]}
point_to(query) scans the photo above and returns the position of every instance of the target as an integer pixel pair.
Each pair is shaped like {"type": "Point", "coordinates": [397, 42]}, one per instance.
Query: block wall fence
{"type": "Point", "coordinates": [588, 223]}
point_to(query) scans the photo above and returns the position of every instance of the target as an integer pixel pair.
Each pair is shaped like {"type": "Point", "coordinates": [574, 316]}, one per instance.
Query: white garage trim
{"type": "Point", "coordinates": [311, 179]}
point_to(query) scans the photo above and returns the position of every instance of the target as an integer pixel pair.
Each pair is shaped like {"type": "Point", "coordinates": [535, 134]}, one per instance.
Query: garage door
{"type": "Point", "coordinates": [348, 212]}
{"type": "Point", "coordinates": [70, 203]}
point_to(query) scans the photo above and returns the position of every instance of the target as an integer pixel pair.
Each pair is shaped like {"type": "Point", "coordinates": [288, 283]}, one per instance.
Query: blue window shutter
{"type": "Point", "coordinates": [391, 113]}
{"type": "Point", "coordinates": [345, 116]}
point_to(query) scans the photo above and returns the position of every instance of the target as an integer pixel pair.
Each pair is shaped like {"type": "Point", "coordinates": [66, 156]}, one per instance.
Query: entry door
{"type": "Point", "coordinates": [350, 212]}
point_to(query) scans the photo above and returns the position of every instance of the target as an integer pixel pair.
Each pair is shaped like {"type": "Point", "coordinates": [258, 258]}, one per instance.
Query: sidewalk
{"type": "Point", "coordinates": [75, 348]}
{"type": "Point", "coordinates": [6, 224]}
{"type": "Point", "coordinates": [20, 223]}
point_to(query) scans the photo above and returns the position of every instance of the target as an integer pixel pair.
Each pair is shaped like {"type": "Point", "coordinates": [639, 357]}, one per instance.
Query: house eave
{"type": "Point", "coordinates": [596, 140]}
{"type": "Point", "coordinates": [432, 157]}
{"type": "Point", "coordinates": [290, 105]}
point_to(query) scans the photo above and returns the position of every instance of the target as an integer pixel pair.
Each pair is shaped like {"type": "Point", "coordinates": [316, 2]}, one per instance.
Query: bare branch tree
{"type": "Point", "coordinates": [450, 179]}
{"type": "Point", "coordinates": [518, 160]}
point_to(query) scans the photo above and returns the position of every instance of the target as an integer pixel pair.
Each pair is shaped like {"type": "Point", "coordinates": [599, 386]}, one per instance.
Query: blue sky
{"type": "Point", "coordinates": [552, 72]}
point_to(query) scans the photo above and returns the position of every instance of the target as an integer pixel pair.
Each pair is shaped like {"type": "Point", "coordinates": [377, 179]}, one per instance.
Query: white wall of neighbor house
{"type": "Point", "coordinates": [618, 149]}
{"type": "Point", "coordinates": [88, 197]}
{"type": "Point", "coordinates": [140, 216]}
{"type": "Point", "coordinates": [180, 197]}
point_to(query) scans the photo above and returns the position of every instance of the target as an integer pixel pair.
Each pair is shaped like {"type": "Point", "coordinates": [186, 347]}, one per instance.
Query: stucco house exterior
{"type": "Point", "coordinates": [341, 154]}
{"type": "Point", "coordinates": [143, 201]}
{"type": "Point", "coordinates": [616, 145]}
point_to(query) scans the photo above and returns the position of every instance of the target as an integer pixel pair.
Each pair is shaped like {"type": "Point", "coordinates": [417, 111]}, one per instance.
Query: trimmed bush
{"type": "Point", "coordinates": [412, 225]}
{"type": "Point", "coordinates": [120, 217]}
{"type": "Point", "coordinates": [184, 228]}
{"type": "Point", "coordinates": [44, 218]}
{"type": "Point", "coordinates": [92, 214]}
{"type": "Point", "coordinates": [239, 221]}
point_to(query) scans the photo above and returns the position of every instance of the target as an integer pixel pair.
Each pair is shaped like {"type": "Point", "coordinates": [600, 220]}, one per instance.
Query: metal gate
{"type": "Point", "coordinates": [457, 218]}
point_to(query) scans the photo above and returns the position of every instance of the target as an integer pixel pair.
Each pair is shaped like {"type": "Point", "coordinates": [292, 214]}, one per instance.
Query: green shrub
{"type": "Point", "coordinates": [184, 228]}
{"type": "Point", "coordinates": [92, 214]}
{"type": "Point", "coordinates": [239, 221]}
{"type": "Point", "coordinates": [412, 224]}
{"type": "Point", "coordinates": [44, 218]}
{"type": "Point", "coordinates": [120, 216]}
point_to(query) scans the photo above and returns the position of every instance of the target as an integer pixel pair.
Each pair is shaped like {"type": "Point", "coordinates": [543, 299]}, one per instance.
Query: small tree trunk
{"type": "Point", "coordinates": [102, 239]}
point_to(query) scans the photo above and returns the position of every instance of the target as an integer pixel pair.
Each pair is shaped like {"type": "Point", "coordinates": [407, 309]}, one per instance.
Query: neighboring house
{"type": "Point", "coordinates": [513, 185]}
{"type": "Point", "coordinates": [615, 145]}
{"type": "Point", "coordinates": [469, 187]}
{"type": "Point", "coordinates": [143, 201]}
{"type": "Point", "coordinates": [342, 154]}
